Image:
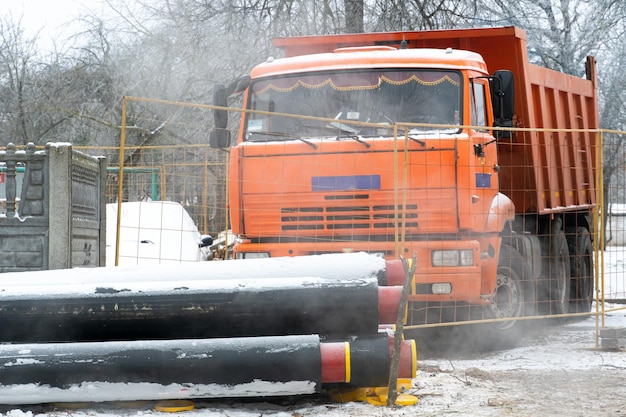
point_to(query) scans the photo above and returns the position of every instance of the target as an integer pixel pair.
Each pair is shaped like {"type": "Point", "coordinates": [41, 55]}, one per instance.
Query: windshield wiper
{"type": "Point", "coordinates": [301, 139]}
{"type": "Point", "coordinates": [284, 135]}
{"type": "Point", "coordinates": [347, 132]}
{"type": "Point", "coordinates": [355, 138]}
{"type": "Point", "coordinates": [421, 142]}
{"type": "Point", "coordinates": [383, 115]}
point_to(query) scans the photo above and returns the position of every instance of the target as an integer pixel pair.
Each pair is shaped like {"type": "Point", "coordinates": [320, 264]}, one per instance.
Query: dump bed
{"type": "Point", "coordinates": [541, 172]}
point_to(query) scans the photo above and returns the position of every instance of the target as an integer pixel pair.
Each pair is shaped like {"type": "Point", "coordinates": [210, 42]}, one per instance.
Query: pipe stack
{"type": "Point", "coordinates": [282, 326]}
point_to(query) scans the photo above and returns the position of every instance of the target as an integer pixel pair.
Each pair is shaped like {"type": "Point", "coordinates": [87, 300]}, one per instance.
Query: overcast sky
{"type": "Point", "coordinates": [47, 17]}
{"type": "Point", "coordinates": [38, 14]}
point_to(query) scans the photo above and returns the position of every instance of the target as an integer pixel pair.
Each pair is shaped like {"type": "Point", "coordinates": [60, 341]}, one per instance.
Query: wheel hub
{"type": "Point", "coordinates": [507, 302]}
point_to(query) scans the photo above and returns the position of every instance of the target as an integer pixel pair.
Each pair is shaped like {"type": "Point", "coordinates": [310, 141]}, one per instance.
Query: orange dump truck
{"type": "Point", "coordinates": [401, 143]}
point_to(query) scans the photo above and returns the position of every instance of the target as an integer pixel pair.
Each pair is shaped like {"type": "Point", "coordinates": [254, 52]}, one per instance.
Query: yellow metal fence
{"type": "Point", "coordinates": [172, 161]}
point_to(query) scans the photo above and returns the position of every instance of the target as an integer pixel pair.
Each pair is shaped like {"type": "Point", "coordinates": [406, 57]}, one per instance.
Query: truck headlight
{"type": "Point", "coordinates": [442, 288]}
{"type": "Point", "coordinates": [252, 255]}
{"type": "Point", "coordinates": [463, 257]}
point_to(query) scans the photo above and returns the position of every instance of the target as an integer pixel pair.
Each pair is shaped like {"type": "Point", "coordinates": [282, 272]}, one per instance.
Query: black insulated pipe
{"type": "Point", "coordinates": [192, 309]}
{"type": "Point", "coordinates": [155, 370]}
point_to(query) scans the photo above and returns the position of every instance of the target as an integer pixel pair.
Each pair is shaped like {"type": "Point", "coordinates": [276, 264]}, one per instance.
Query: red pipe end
{"type": "Point", "coordinates": [388, 304]}
{"type": "Point", "coordinates": [394, 272]}
{"type": "Point", "coordinates": [407, 366]}
{"type": "Point", "coordinates": [335, 362]}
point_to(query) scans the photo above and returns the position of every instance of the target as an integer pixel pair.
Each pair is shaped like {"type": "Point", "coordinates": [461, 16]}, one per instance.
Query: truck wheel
{"type": "Point", "coordinates": [581, 269]}
{"type": "Point", "coordinates": [557, 270]}
{"type": "Point", "coordinates": [514, 297]}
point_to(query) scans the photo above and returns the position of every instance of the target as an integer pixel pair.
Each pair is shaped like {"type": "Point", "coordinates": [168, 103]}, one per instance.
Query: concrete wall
{"type": "Point", "coordinates": [56, 219]}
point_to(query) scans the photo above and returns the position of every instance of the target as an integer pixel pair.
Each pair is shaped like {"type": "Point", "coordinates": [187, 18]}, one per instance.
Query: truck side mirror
{"type": "Point", "coordinates": [220, 99]}
{"type": "Point", "coordinates": [238, 86]}
{"type": "Point", "coordinates": [220, 136]}
{"type": "Point", "coordinates": [503, 100]}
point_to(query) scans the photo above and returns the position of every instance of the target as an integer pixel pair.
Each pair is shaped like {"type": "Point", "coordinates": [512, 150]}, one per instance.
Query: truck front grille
{"type": "Point", "coordinates": [347, 216]}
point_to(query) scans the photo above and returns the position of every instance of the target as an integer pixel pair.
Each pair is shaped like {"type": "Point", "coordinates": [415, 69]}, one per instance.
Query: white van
{"type": "Point", "coordinates": [153, 232]}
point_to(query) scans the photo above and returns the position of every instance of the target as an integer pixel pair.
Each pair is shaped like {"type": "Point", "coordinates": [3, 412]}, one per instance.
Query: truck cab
{"type": "Point", "coordinates": [332, 138]}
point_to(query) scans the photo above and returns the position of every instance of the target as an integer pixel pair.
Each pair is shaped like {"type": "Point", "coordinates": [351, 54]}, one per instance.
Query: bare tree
{"type": "Point", "coordinates": [561, 33]}
{"type": "Point", "coordinates": [613, 116]}
{"type": "Point", "coordinates": [354, 15]}
{"type": "Point", "coordinates": [60, 97]}
{"type": "Point", "coordinates": [17, 61]}
{"type": "Point", "coordinates": [389, 15]}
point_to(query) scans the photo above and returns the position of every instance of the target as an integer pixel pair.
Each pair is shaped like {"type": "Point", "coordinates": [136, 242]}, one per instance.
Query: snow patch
{"type": "Point", "coordinates": [23, 361]}
{"type": "Point", "coordinates": [97, 391]}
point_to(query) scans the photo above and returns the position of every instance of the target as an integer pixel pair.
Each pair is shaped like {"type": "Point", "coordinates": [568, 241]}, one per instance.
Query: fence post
{"type": "Point", "coordinates": [103, 163]}
{"type": "Point", "coordinates": [10, 183]}
{"type": "Point", "coordinates": [60, 191]}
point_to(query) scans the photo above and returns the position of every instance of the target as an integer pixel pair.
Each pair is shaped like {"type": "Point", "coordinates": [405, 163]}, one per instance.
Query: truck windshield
{"type": "Point", "coordinates": [383, 97]}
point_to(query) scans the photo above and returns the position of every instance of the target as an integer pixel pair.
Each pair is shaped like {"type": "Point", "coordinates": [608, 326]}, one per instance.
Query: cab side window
{"type": "Point", "coordinates": [478, 104]}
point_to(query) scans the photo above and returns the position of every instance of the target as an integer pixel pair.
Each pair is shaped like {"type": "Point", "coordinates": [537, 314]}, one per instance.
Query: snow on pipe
{"type": "Point", "coordinates": [184, 369]}
{"type": "Point", "coordinates": [339, 266]}
{"type": "Point", "coordinates": [194, 309]}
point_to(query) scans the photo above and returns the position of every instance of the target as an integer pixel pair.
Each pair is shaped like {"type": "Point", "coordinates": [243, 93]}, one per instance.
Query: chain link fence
{"type": "Point", "coordinates": [169, 159]}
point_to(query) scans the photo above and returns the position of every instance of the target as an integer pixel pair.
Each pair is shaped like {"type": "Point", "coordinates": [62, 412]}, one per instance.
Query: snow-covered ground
{"type": "Point", "coordinates": [558, 370]}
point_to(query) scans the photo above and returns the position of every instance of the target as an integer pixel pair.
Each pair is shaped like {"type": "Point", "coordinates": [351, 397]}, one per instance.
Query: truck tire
{"type": "Point", "coordinates": [556, 271]}
{"type": "Point", "coordinates": [581, 269]}
{"type": "Point", "coordinates": [514, 296]}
